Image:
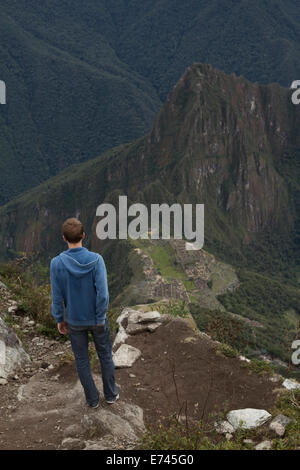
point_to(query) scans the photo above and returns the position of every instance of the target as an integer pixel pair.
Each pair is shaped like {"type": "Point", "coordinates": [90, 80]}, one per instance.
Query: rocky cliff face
{"type": "Point", "coordinates": [217, 140]}
{"type": "Point", "coordinates": [220, 137]}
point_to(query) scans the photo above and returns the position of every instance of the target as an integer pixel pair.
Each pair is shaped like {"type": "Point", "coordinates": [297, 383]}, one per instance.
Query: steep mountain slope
{"type": "Point", "coordinates": [256, 38]}
{"type": "Point", "coordinates": [83, 77]}
{"type": "Point", "coordinates": [62, 106]}
{"type": "Point", "coordinates": [218, 140]}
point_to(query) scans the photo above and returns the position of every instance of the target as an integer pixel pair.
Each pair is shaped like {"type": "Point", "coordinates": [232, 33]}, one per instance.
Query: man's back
{"type": "Point", "coordinates": [79, 280]}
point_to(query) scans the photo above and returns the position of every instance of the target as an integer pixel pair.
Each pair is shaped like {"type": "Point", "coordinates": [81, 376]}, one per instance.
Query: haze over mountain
{"type": "Point", "coordinates": [83, 77]}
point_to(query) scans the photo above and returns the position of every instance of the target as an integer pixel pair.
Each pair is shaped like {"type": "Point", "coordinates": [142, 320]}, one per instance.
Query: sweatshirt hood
{"type": "Point", "coordinates": [76, 268]}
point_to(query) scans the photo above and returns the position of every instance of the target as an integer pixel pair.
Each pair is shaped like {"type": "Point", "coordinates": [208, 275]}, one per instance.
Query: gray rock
{"type": "Point", "coordinates": [12, 354]}
{"type": "Point", "coordinates": [72, 444]}
{"type": "Point", "coordinates": [3, 286]}
{"type": "Point", "coordinates": [153, 326]}
{"type": "Point", "coordinates": [279, 424]}
{"type": "Point", "coordinates": [126, 356]}
{"type": "Point", "coordinates": [264, 445]}
{"type": "Point", "coordinates": [224, 427]}
{"type": "Point", "coordinates": [106, 422]}
{"type": "Point", "coordinates": [291, 384]}
{"type": "Point", "coordinates": [105, 443]}
{"type": "Point", "coordinates": [248, 418]}
{"type": "Point", "coordinates": [124, 422]}
{"type": "Point", "coordinates": [134, 329]}
{"type": "Point", "coordinates": [3, 382]}
{"type": "Point", "coordinates": [134, 415]}
{"type": "Point", "coordinates": [74, 430]}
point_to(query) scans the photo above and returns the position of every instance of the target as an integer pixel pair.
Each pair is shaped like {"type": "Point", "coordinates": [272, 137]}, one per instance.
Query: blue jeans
{"type": "Point", "coordinates": [79, 341]}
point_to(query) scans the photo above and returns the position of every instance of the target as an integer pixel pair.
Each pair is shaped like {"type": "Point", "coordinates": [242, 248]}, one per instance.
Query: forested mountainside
{"type": "Point", "coordinates": [83, 77]}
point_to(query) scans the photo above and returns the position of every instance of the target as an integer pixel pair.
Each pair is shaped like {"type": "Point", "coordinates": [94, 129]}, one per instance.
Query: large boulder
{"type": "Point", "coordinates": [12, 354]}
{"type": "Point", "coordinates": [125, 421]}
{"type": "Point", "coordinates": [248, 418]}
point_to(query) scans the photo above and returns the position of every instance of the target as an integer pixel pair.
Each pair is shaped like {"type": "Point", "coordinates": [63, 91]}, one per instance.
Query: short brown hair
{"type": "Point", "coordinates": [72, 230]}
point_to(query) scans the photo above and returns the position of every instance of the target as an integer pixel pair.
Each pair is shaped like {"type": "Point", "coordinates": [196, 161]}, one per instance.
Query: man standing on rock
{"type": "Point", "coordinates": [79, 287]}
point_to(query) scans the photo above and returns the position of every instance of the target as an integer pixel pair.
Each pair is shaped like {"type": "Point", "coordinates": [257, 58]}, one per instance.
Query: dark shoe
{"type": "Point", "coordinates": [113, 400]}
{"type": "Point", "coordinates": [94, 406]}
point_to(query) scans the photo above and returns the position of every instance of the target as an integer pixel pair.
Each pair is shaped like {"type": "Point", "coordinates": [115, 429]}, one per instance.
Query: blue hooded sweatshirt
{"type": "Point", "coordinates": [79, 286]}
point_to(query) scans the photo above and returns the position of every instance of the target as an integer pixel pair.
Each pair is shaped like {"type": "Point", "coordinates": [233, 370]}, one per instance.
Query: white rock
{"type": "Point", "coordinates": [125, 356]}
{"type": "Point", "coordinates": [144, 317]}
{"type": "Point", "coordinates": [291, 384]}
{"type": "Point", "coordinates": [265, 445]}
{"type": "Point", "coordinates": [121, 336]}
{"type": "Point", "coordinates": [12, 309]}
{"type": "Point", "coordinates": [3, 382]}
{"type": "Point", "coordinates": [245, 359]}
{"type": "Point", "coordinates": [224, 427]}
{"type": "Point", "coordinates": [248, 418]}
{"type": "Point", "coordinates": [2, 286]}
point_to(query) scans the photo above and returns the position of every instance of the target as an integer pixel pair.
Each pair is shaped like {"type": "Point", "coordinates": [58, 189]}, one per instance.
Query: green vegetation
{"type": "Point", "coordinates": [171, 434]}
{"type": "Point", "coordinates": [222, 327]}
{"type": "Point", "coordinates": [259, 367]}
{"type": "Point", "coordinates": [33, 297]}
{"type": "Point", "coordinates": [268, 302]}
{"type": "Point", "coordinates": [176, 308]}
{"type": "Point", "coordinates": [98, 71]}
{"type": "Point", "coordinates": [261, 316]}
{"type": "Point", "coordinates": [227, 350]}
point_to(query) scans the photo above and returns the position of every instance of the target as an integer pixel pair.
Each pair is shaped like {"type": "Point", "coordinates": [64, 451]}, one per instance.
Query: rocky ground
{"type": "Point", "coordinates": [177, 371]}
